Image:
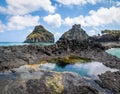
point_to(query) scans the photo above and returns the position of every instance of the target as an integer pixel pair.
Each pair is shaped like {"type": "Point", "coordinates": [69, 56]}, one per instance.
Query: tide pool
{"type": "Point", "coordinates": [89, 69]}
{"type": "Point", "coordinates": [114, 51]}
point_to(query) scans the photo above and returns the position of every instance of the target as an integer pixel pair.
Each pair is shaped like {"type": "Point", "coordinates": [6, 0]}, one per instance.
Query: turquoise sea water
{"type": "Point", "coordinates": [21, 43]}
{"type": "Point", "coordinates": [114, 51]}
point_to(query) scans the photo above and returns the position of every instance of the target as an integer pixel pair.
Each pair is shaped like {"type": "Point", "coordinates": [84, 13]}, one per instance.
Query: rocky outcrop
{"type": "Point", "coordinates": [106, 38]}
{"type": "Point", "coordinates": [40, 34]}
{"type": "Point", "coordinates": [47, 82]}
{"type": "Point", "coordinates": [16, 56]}
{"type": "Point", "coordinates": [75, 33]}
{"type": "Point", "coordinates": [110, 81]}
{"type": "Point", "coordinates": [109, 38]}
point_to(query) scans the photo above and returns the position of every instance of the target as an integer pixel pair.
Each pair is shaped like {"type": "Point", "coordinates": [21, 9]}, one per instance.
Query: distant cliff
{"type": "Point", "coordinates": [75, 33]}
{"type": "Point", "coordinates": [40, 34]}
{"type": "Point", "coordinates": [108, 36]}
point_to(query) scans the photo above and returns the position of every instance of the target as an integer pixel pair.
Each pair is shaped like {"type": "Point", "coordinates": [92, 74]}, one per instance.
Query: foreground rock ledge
{"type": "Point", "coordinates": [46, 82]}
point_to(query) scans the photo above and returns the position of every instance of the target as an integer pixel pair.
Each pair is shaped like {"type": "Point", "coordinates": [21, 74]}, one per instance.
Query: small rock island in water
{"type": "Point", "coordinates": [56, 69]}
{"type": "Point", "coordinates": [40, 34]}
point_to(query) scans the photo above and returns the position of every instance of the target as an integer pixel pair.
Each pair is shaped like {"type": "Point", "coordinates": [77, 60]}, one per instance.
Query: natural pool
{"type": "Point", "coordinates": [16, 76]}
{"type": "Point", "coordinates": [90, 69]}
{"type": "Point", "coordinates": [67, 64]}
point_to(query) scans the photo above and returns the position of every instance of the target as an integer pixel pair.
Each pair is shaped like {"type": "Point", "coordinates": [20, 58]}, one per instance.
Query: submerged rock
{"type": "Point", "coordinates": [40, 34]}
{"type": "Point", "coordinates": [75, 33]}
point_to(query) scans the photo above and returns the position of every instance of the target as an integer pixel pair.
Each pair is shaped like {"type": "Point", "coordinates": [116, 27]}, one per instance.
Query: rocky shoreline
{"type": "Point", "coordinates": [109, 45]}
{"type": "Point", "coordinates": [16, 56]}
{"type": "Point", "coordinates": [50, 82]}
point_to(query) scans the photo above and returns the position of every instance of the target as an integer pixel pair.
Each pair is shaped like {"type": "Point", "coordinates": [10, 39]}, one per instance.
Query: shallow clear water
{"type": "Point", "coordinates": [20, 43]}
{"type": "Point", "coordinates": [114, 51]}
{"type": "Point", "coordinates": [91, 69]}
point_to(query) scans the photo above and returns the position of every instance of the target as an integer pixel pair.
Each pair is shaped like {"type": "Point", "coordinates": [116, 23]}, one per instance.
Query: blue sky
{"type": "Point", "coordinates": [18, 17]}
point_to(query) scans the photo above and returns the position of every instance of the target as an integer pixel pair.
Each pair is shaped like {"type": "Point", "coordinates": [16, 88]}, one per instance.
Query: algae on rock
{"type": "Point", "coordinates": [54, 83]}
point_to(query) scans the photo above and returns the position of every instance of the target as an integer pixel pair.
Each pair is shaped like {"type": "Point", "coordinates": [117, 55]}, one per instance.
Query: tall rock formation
{"type": "Point", "coordinates": [75, 33]}
{"type": "Point", "coordinates": [40, 34]}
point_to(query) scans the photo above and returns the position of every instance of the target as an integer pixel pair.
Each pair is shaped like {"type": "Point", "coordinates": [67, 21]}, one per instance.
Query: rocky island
{"type": "Point", "coordinates": [75, 33]}
{"type": "Point", "coordinates": [74, 44]}
{"type": "Point", "coordinates": [40, 34]}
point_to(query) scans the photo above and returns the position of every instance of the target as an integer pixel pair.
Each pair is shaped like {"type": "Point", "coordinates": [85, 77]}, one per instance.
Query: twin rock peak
{"type": "Point", "coordinates": [40, 34]}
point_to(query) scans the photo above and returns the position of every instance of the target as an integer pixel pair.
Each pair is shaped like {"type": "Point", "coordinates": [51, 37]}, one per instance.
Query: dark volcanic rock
{"type": "Point", "coordinates": [44, 82]}
{"type": "Point", "coordinates": [106, 38]}
{"type": "Point", "coordinates": [75, 33]}
{"type": "Point", "coordinates": [57, 83]}
{"type": "Point", "coordinates": [40, 34]}
{"type": "Point", "coordinates": [16, 56]}
{"type": "Point", "coordinates": [110, 81]}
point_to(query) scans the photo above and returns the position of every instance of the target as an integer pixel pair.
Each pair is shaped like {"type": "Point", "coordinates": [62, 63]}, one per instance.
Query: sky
{"type": "Point", "coordinates": [19, 17]}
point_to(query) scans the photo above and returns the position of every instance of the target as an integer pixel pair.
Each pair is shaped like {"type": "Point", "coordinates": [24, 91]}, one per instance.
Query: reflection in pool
{"type": "Point", "coordinates": [91, 69]}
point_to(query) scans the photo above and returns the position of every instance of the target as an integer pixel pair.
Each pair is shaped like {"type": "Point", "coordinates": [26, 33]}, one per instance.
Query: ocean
{"type": "Point", "coordinates": [114, 51]}
{"type": "Point", "coordinates": [21, 43]}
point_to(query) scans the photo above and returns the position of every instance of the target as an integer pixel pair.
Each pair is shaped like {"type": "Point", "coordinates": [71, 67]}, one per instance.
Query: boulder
{"type": "Point", "coordinates": [111, 81]}
{"type": "Point", "coordinates": [75, 33]}
{"type": "Point", "coordinates": [40, 34]}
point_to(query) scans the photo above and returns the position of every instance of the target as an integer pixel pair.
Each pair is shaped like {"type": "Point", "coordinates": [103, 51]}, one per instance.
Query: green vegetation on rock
{"type": "Point", "coordinates": [111, 32]}
{"type": "Point", "coordinates": [40, 34]}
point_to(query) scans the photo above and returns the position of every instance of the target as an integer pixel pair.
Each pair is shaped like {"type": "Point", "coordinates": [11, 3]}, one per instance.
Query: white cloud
{"type": "Point", "coordinates": [77, 2]}
{"type": "Point", "coordinates": [20, 7]}
{"type": "Point", "coordinates": [76, 20]}
{"type": "Point", "coordinates": [2, 26]}
{"type": "Point", "coordinates": [117, 3]}
{"type": "Point", "coordinates": [19, 23]}
{"type": "Point", "coordinates": [53, 20]}
{"type": "Point", "coordinates": [92, 32]}
{"type": "Point", "coordinates": [100, 17]}
{"type": "Point", "coordinates": [57, 34]}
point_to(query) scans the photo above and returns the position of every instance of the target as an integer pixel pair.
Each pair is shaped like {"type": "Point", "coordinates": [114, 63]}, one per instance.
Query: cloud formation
{"type": "Point", "coordinates": [77, 2]}
{"type": "Point", "coordinates": [100, 17]}
{"type": "Point", "coordinates": [21, 7]}
{"type": "Point", "coordinates": [54, 20]}
{"type": "Point", "coordinates": [2, 26]}
{"type": "Point", "coordinates": [19, 22]}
